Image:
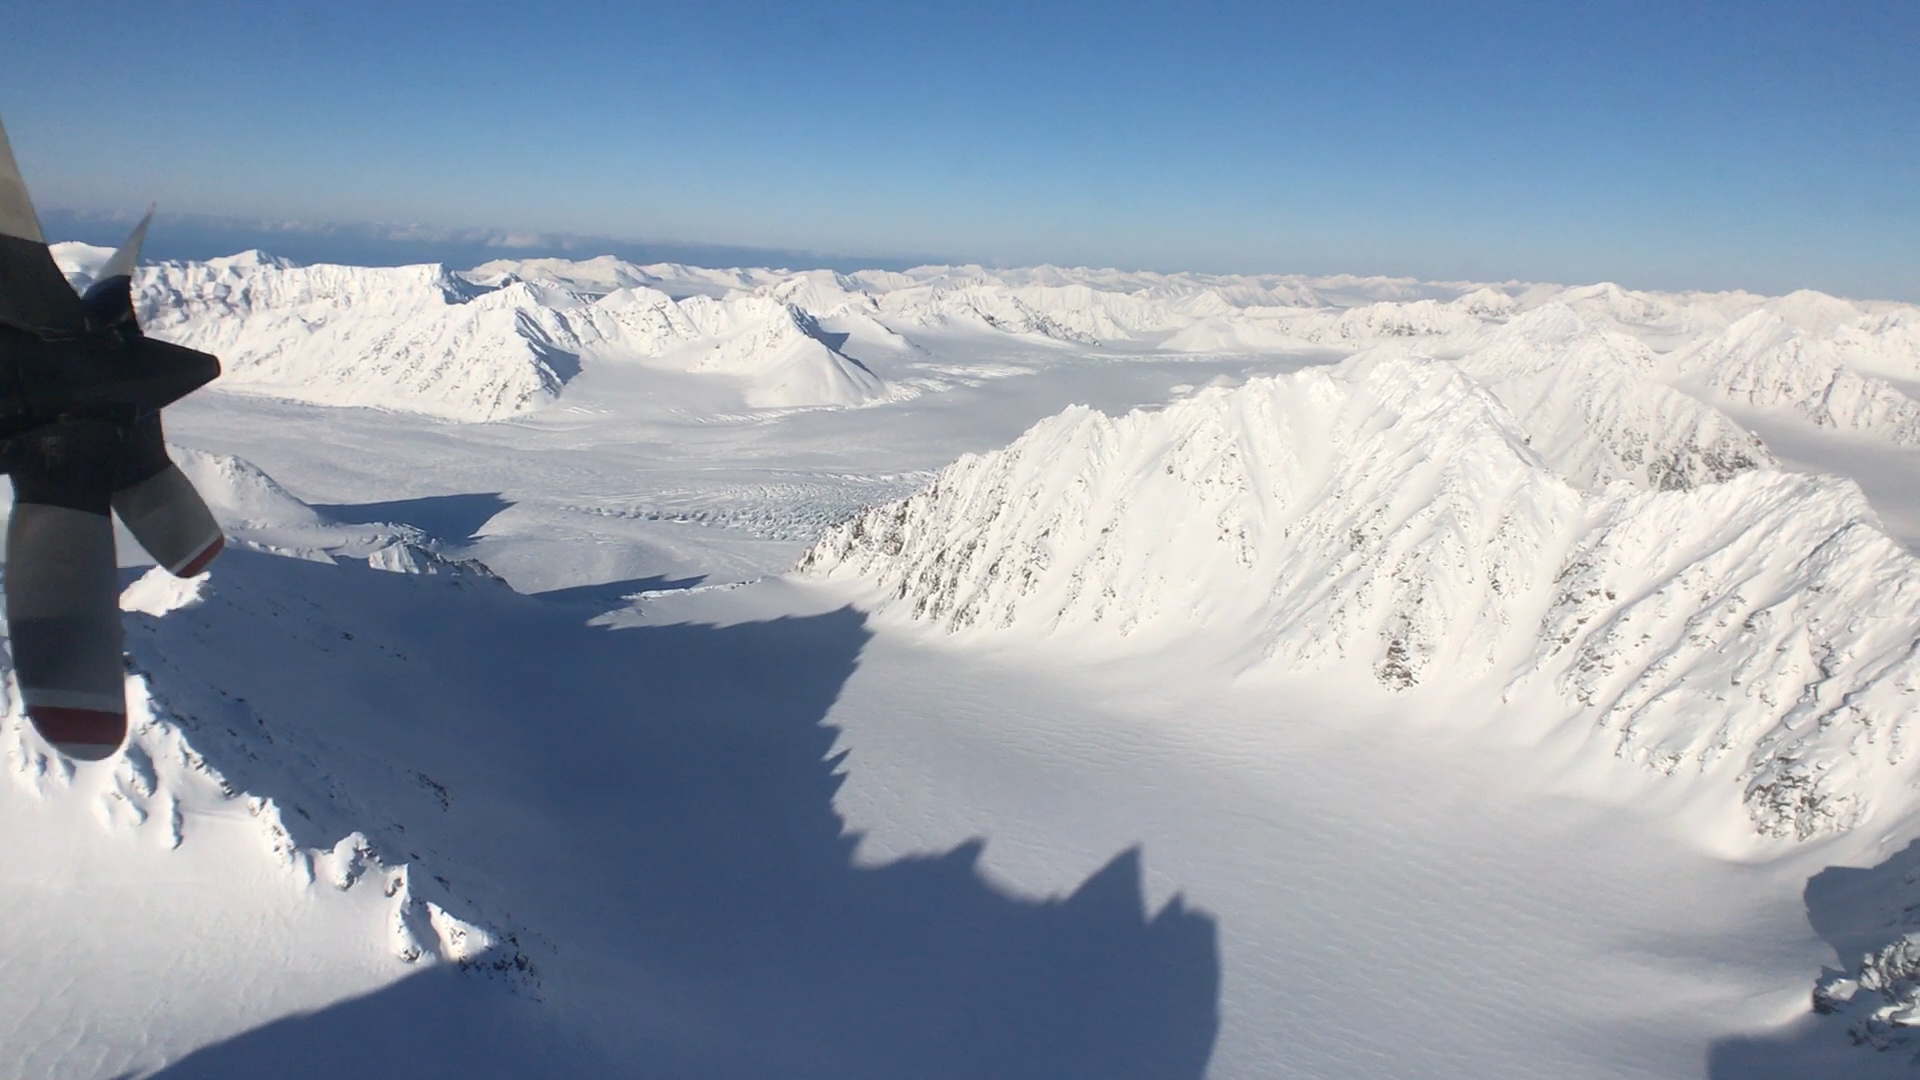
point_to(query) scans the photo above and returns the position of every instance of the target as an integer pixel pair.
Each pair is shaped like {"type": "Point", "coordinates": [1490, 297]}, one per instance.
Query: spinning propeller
{"type": "Point", "coordinates": [81, 391]}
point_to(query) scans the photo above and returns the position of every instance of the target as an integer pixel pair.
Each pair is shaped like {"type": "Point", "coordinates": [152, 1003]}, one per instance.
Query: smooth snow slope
{"type": "Point", "coordinates": [616, 846]}
{"type": "Point", "coordinates": [667, 819]}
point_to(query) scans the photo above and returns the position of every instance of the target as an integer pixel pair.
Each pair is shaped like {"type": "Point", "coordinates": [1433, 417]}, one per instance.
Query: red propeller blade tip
{"type": "Point", "coordinates": [82, 734]}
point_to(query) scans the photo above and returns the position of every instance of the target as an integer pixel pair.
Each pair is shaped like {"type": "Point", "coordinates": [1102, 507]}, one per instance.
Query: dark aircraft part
{"type": "Point", "coordinates": [108, 304]}
{"type": "Point", "coordinates": [158, 504]}
{"type": "Point", "coordinates": [27, 295]}
{"type": "Point", "coordinates": [63, 594]}
{"type": "Point", "coordinates": [101, 374]}
{"type": "Point", "coordinates": [81, 390]}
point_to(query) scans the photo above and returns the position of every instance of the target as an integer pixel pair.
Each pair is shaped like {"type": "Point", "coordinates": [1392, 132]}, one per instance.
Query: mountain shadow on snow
{"type": "Point", "coordinates": [610, 594]}
{"type": "Point", "coordinates": [660, 799]}
{"type": "Point", "coordinates": [456, 518]}
{"type": "Point", "coordinates": [1867, 916]}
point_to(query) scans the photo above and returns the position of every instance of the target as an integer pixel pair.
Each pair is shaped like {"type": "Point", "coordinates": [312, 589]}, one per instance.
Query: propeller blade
{"type": "Point", "coordinates": [171, 521]}
{"type": "Point", "coordinates": [109, 300]}
{"type": "Point", "coordinates": [124, 260]}
{"type": "Point", "coordinates": [34, 295]}
{"type": "Point", "coordinates": [17, 218]}
{"type": "Point", "coordinates": [159, 506]}
{"type": "Point", "coordinates": [62, 605]}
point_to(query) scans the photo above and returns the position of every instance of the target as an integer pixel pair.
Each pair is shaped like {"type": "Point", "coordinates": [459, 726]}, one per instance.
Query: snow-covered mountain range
{"type": "Point", "coordinates": [1542, 507]}
{"type": "Point", "coordinates": [503, 338]}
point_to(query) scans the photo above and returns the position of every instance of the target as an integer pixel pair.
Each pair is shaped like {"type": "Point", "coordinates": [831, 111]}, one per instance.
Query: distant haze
{"type": "Point", "coordinates": [195, 237]}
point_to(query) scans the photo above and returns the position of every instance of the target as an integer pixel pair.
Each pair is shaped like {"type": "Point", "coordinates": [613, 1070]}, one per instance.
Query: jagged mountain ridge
{"type": "Point", "coordinates": [1593, 406]}
{"type": "Point", "coordinates": [1392, 515]}
{"type": "Point", "coordinates": [364, 336]}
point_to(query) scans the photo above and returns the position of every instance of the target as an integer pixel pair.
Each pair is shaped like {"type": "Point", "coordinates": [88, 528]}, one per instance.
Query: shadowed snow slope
{"type": "Point", "coordinates": [382, 798]}
{"type": "Point", "coordinates": [1871, 919]}
{"type": "Point", "coordinates": [258, 513]}
{"type": "Point", "coordinates": [623, 838]}
{"type": "Point", "coordinates": [1393, 515]}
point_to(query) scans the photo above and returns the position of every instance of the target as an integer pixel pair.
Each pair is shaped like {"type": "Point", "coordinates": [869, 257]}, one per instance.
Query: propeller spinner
{"type": "Point", "coordinates": [81, 391]}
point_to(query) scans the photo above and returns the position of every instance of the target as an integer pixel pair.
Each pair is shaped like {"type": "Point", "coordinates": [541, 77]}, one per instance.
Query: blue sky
{"type": "Point", "coordinates": [1707, 144]}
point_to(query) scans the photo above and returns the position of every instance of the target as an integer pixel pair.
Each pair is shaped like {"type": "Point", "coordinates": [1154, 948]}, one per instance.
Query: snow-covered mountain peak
{"type": "Point", "coordinates": [504, 339]}
{"type": "Point", "coordinates": [406, 336]}
{"type": "Point", "coordinates": [1814, 311]}
{"type": "Point", "coordinates": [1884, 343]}
{"type": "Point", "coordinates": [1488, 303]}
{"type": "Point", "coordinates": [1587, 397]}
{"type": "Point", "coordinates": [823, 292]}
{"type": "Point", "coordinates": [1419, 561]}
{"type": "Point", "coordinates": [1089, 520]}
{"type": "Point", "coordinates": [601, 274]}
{"type": "Point", "coordinates": [1611, 383]}
{"type": "Point", "coordinates": [1608, 300]}
{"type": "Point", "coordinates": [240, 495]}
{"type": "Point", "coordinates": [250, 259]}
{"type": "Point", "coordinates": [1762, 329]}
{"type": "Point", "coordinates": [257, 513]}
{"type": "Point", "coordinates": [1391, 515]}
{"type": "Point", "coordinates": [1764, 361]}
{"type": "Point", "coordinates": [252, 281]}
{"type": "Point", "coordinates": [1560, 326]}
{"type": "Point", "coordinates": [80, 262]}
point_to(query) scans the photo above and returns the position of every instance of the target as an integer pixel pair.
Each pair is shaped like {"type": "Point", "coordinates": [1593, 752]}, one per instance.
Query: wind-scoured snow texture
{"type": "Point", "coordinates": [1590, 405]}
{"type": "Point", "coordinates": [1394, 515]}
